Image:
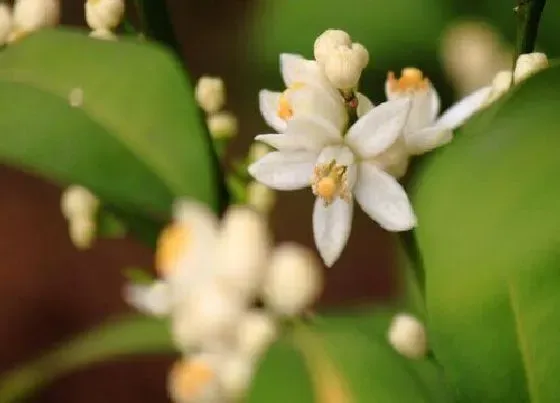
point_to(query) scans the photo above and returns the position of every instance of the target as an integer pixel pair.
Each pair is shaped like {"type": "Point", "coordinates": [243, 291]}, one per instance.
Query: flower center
{"type": "Point", "coordinates": [190, 378]}
{"type": "Point", "coordinates": [285, 110]}
{"type": "Point", "coordinates": [411, 79]}
{"type": "Point", "coordinates": [331, 181]}
{"type": "Point", "coordinates": [171, 244]}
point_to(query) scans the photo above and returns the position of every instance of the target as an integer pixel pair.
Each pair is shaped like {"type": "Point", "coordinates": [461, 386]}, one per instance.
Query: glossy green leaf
{"type": "Point", "coordinates": [135, 139]}
{"type": "Point", "coordinates": [487, 205]}
{"type": "Point", "coordinates": [118, 338]}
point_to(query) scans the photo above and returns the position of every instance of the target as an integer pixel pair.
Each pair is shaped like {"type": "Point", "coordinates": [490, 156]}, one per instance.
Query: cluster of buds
{"type": "Point", "coordinates": [210, 94]}
{"type": "Point", "coordinates": [27, 16]}
{"type": "Point", "coordinates": [80, 207]}
{"type": "Point", "coordinates": [103, 17]}
{"type": "Point", "coordinates": [212, 276]}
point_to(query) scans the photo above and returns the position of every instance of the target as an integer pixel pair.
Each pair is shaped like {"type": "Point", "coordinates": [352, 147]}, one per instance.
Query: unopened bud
{"type": "Point", "coordinates": [408, 336]}
{"type": "Point", "coordinates": [261, 197]}
{"type": "Point", "coordinates": [31, 15]}
{"type": "Point", "coordinates": [294, 280]}
{"type": "Point", "coordinates": [257, 151]}
{"type": "Point", "coordinates": [195, 380]}
{"type": "Point", "coordinates": [222, 125]}
{"type": "Point", "coordinates": [329, 40]}
{"type": "Point", "coordinates": [104, 14]}
{"type": "Point", "coordinates": [5, 23]}
{"type": "Point", "coordinates": [82, 231]}
{"type": "Point", "coordinates": [255, 333]}
{"type": "Point", "coordinates": [235, 375]}
{"type": "Point", "coordinates": [103, 34]}
{"type": "Point", "coordinates": [343, 66]}
{"type": "Point", "coordinates": [528, 64]}
{"type": "Point", "coordinates": [77, 201]}
{"type": "Point", "coordinates": [210, 94]}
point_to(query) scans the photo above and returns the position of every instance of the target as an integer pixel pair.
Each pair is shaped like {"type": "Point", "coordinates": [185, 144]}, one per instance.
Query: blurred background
{"type": "Point", "coordinates": [49, 291]}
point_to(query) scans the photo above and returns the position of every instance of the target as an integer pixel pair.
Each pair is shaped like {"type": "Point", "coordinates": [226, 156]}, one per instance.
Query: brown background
{"type": "Point", "coordinates": [50, 291]}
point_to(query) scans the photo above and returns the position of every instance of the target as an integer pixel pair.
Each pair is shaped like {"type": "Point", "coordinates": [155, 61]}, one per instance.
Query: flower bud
{"type": "Point", "coordinates": [329, 40]}
{"type": "Point", "coordinates": [408, 336]}
{"type": "Point", "coordinates": [257, 151]}
{"type": "Point", "coordinates": [77, 201]}
{"type": "Point", "coordinates": [30, 15]}
{"type": "Point", "coordinates": [5, 23]}
{"type": "Point", "coordinates": [343, 66]}
{"type": "Point", "coordinates": [243, 248]}
{"type": "Point", "coordinates": [104, 15]}
{"type": "Point", "coordinates": [210, 94]}
{"type": "Point", "coordinates": [255, 333]}
{"type": "Point", "coordinates": [222, 125]}
{"type": "Point", "coordinates": [82, 231]}
{"type": "Point", "coordinates": [260, 196]}
{"type": "Point", "coordinates": [103, 34]}
{"type": "Point", "coordinates": [195, 380]}
{"type": "Point", "coordinates": [528, 64]}
{"type": "Point", "coordinates": [293, 281]}
{"type": "Point", "coordinates": [235, 375]}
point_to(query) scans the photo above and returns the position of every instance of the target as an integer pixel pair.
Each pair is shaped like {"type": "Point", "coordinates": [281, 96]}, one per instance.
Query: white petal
{"type": "Point", "coordinates": [154, 299]}
{"type": "Point", "coordinates": [364, 105]}
{"type": "Point", "coordinates": [288, 170]}
{"type": "Point", "coordinates": [312, 100]}
{"type": "Point", "coordinates": [458, 113]}
{"type": "Point", "coordinates": [331, 228]}
{"type": "Point", "coordinates": [290, 142]}
{"type": "Point", "coordinates": [378, 129]}
{"type": "Point", "coordinates": [383, 199]}
{"type": "Point", "coordinates": [423, 111]}
{"type": "Point", "coordinates": [295, 68]}
{"type": "Point", "coordinates": [427, 139]}
{"type": "Point", "coordinates": [317, 127]}
{"type": "Point", "coordinates": [268, 104]}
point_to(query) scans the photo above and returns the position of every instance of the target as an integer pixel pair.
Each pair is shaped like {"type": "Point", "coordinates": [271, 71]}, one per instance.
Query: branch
{"type": "Point", "coordinates": [529, 15]}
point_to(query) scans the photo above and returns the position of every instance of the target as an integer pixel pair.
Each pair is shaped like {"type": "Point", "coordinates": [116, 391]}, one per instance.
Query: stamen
{"type": "Point", "coordinates": [412, 79]}
{"type": "Point", "coordinates": [331, 181]}
{"type": "Point", "coordinates": [285, 110]}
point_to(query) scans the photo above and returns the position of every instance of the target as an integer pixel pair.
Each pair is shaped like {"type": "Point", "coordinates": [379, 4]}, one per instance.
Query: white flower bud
{"type": "Point", "coordinates": [210, 94]}
{"type": "Point", "coordinates": [222, 125]}
{"type": "Point", "coordinates": [31, 15]}
{"type": "Point", "coordinates": [343, 66]}
{"type": "Point", "coordinates": [329, 40]}
{"type": "Point", "coordinates": [235, 375]}
{"type": "Point", "coordinates": [195, 380]}
{"type": "Point", "coordinates": [260, 197]}
{"type": "Point", "coordinates": [103, 34]}
{"type": "Point", "coordinates": [408, 336]}
{"type": "Point", "coordinates": [294, 280]}
{"type": "Point", "coordinates": [257, 151]}
{"type": "Point", "coordinates": [528, 64]}
{"type": "Point", "coordinates": [255, 333]}
{"type": "Point", "coordinates": [104, 15]}
{"type": "Point", "coordinates": [5, 23]}
{"type": "Point", "coordinates": [243, 248]}
{"type": "Point", "coordinates": [206, 317]}
{"type": "Point", "coordinates": [77, 201]}
{"type": "Point", "coordinates": [362, 54]}
{"type": "Point", "coordinates": [82, 231]}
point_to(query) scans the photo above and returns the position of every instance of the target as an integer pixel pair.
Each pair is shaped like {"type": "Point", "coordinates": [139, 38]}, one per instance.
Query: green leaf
{"type": "Point", "coordinates": [118, 338]}
{"type": "Point", "coordinates": [109, 225]}
{"type": "Point", "coordinates": [137, 141]}
{"type": "Point", "coordinates": [489, 238]}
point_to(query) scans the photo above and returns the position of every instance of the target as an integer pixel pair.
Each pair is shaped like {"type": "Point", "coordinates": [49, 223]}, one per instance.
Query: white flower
{"type": "Point", "coordinates": [343, 65]}
{"type": "Point", "coordinates": [5, 23]}
{"type": "Point", "coordinates": [312, 152]}
{"type": "Point", "coordinates": [103, 34]}
{"type": "Point", "coordinates": [260, 196]}
{"type": "Point", "coordinates": [235, 374]}
{"type": "Point", "coordinates": [308, 93]}
{"type": "Point", "coordinates": [104, 15]}
{"type": "Point", "coordinates": [293, 280]}
{"type": "Point", "coordinates": [222, 125]}
{"type": "Point", "coordinates": [255, 333]}
{"type": "Point", "coordinates": [329, 40]}
{"type": "Point", "coordinates": [424, 131]}
{"type": "Point", "coordinates": [195, 380]}
{"type": "Point", "coordinates": [528, 64]}
{"type": "Point", "coordinates": [154, 300]}
{"type": "Point", "coordinates": [408, 336]}
{"type": "Point", "coordinates": [210, 93]}
{"type": "Point", "coordinates": [31, 15]}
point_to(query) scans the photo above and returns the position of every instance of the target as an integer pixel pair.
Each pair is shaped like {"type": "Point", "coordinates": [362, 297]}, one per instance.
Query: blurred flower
{"type": "Point", "coordinates": [82, 231]}
{"type": "Point", "coordinates": [76, 97]}
{"type": "Point", "coordinates": [408, 336]}
{"type": "Point", "coordinates": [472, 53]}
{"type": "Point", "coordinates": [104, 15]}
{"type": "Point", "coordinates": [255, 332]}
{"type": "Point", "coordinates": [313, 152]}
{"type": "Point", "coordinates": [195, 380]}
{"type": "Point", "coordinates": [257, 151]}
{"type": "Point", "coordinates": [528, 64]}
{"type": "Point", "coordinates": [5, 23]}
{"type": "Point", "coordinates": [103, 34]}
{"type": "Point", "coordinates": [222, 125]}
{"type": "Point", "coordinates": [31, 15]}
{"type": "Point", "coordinates": [210, 93]}
{"type": "Point", "coordinates": [79, 206]}
{"type": "Point", "coordinates": [424, 131]}
{"type": "Point", "coordinates": [260, 196]}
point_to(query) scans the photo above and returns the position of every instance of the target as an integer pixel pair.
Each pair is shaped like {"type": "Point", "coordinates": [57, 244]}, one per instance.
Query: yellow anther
{"type": "Point", "coordinates": [171, 244]}
{"type": "Point", "coordinates": [330, 181]}
{"type": "Point", "coordinates": [326, 188]}
{"type": "Point", "coordinates": [190, 377]}
{"type": "Point", "coordinates": [411, 79]}
{"type": "Point", "coordinates": [285, 110]}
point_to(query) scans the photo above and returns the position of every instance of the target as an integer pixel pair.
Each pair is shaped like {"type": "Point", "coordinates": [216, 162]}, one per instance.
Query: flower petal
{"type": "Point", "coordinates": [427, 139]}
{"type": "Point", "coordinates": [424, 109]}
{"type": "Point", "coordinates": [458, 113]}
{"type": "Point", "coordinates": [154, 299]}
{"type": "Point", "coordinates": [364, 105]}
{"type": "Point", "coordinates": [288, 170]}
{"type": "Point", "coordinates": [312, 100]}
{"type": "Point", "coordinates": [268, 104]}
{"type": "Point", "coordinates": [331, 228]}
{"type": "Point", "coordinates": [383, 199]}
{"type": "Point", "coordinates": [290, 142]}
{"type": "Point", "coordinates": [379, 128]}
{"type": "Point", "coordinates": [314, 126]}
{"type": "Point", "coordinates": [295, 68]}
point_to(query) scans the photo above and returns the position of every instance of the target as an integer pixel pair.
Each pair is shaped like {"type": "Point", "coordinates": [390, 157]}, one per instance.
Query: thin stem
{"type": "Point", "coordinates": [156, 23]}
{"type": "Point", "coordinates": [529, 16]}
